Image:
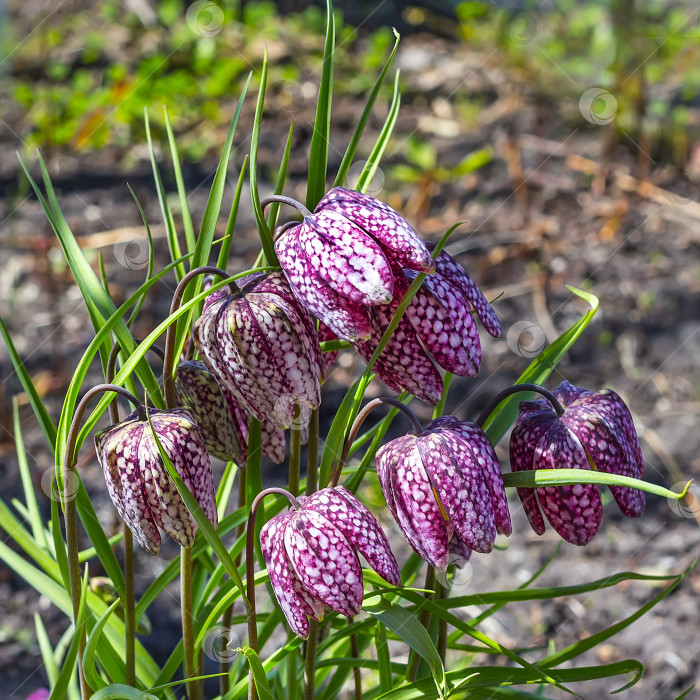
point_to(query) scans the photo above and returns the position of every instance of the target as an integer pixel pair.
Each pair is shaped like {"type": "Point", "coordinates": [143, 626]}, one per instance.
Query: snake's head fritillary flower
{"type": "Point", "coordinates": [139, 484]}
{"type": "Point", "coordinates": [445, 490]}
{"type": "Point", "coordinates": [262, 346]}
{"type": "Point", "coordinates": [441, 313]}
{"type": "Point", "coordinates": [222, 423]}
{"type": "Point", "coordinates": [311, 556]}
{"type": "Point", "coordinates": [339, 259]}
{"type": "Point", "coordinates": [595, 432]}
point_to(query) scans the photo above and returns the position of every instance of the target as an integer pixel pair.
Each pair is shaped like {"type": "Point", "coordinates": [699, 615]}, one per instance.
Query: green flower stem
{"type": "Point", "coordinates": [295, 454]}
{"type": "Point", "coordinates": [250, 573]}
{"type": "Point", "coordinates": [187, 621]}
{"type": "Point", "coordinates": [356, 670]}
{"type": "Point", "coordinates": [440, 593]}
{"type": "Point", "coordinates": [71, 515]}
{"type": "Point", "coordinates": [424, 618]}
{"type": "Point", "coordinates": [312, 455]}
{"type": "Point", "coordinates": [357, 423]}
{"type": "Point", "coordinates": [224, 666]}
{"type": "Point", "coordinates": [515, 389]}
{"type": "Point", "coordinates": [169, 360]}
{"type": "Point", "coordinates": [310, 666]}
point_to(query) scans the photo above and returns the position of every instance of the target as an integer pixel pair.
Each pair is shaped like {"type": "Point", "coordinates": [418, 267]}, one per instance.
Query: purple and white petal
{"type": "Point", "coordinates": [385, 225]}
{"type": "Point", "coordinates": [360, 527]}
{"type": "Point", "coordinates": [567, 393]}
{"type": "Point", "coordinates": [117, 450]}
{"type": "Point", "coordinates": [445, 326]}
{"type": "Point", "coordinates": [325, 562]}
{"type": "Point", "coordinates": [281, 575]}
{"type": "Point", "coordinates": [460, 485]}
{"type": "Point", "coordinates": [447, 268]}
{"type": "Point", "coordinates": [346, 318]}
{"type": "Point", "coordinates": [346, 258]}
{"type": "Point", "coordinates": [575, 511]}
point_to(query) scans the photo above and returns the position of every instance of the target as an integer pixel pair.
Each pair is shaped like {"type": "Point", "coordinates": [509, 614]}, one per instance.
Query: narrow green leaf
{"type": "Point", "coordinates": [384, 659]}
{"type": "Point", "coordinates": [407, 626]}
{"type": "Point", "coordinates": [151, 258]}
{"type": "Point", "coordinates": [118, 691]}
{"type": "Point", "coordinates": [364, 118]}
{"type": "Point", "coordinates": [37, 404]}
{"type": "Point", "coordinates": [166, 214]}
{"type": "Point", "coordinates": [263, 230]}
{"type": "Point", "coordinates": [318, 153]}
{"type": "Point", "coordinates": [94, 680]}
{"type": "Point", "coordinates": [559, 477]}
{"type": "Point", "coordinates": [375, 157]}
{"type": "Point", "coordinates": [223, 493]}
{"type": "Point", "coordinates": [538, 370]}
{"type": "Point", "coordinates": [47, 653]}
{"type": "Point", "coordinates": [203, 524]}
{"type": "Point", "coordinates": [181, 192]}
{"type": "Point", "coordinates": [232, 218]}
{"type": "Point", "coordinates": [261, 684]}
{"type": "Point", "coordinates": [281, 178]}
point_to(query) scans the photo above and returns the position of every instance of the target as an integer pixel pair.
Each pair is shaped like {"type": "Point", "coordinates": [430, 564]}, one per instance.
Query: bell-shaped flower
{"type": "Point", "coordinates": [595, 432]}
{"type": "Point", "coordinates": [261, 345]}
{"type": "Point", "coordinates": [339, 259]}
{"type": "Point", "coordinates": [441, 313]}
{"type": "Point", "coordinates": [139, 484]}
{"type": "Point", "coordinates": [222, 423]}
{"type": "Point", "coordinates": [311, 556]}
{"type": "Point", "coordinates": [445, 490]}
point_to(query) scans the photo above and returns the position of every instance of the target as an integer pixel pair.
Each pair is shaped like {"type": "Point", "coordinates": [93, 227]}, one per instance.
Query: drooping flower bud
{"type": "Point", "coordinates": [261, 345]}
{"type": "Point", "coordinates": [595, 432]}
{"type": "Point", "coordinates": [339, 259]}
{"type": "Point", "coordinates": [445, 490]}
{"type": "Point", "coordinates": [311, 556]}
{"type": "Point", "coordinates": [139, 484]}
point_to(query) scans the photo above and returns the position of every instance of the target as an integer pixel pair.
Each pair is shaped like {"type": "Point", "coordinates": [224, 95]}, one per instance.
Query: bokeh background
{"type": "Point", "coordinates": [566, 134]}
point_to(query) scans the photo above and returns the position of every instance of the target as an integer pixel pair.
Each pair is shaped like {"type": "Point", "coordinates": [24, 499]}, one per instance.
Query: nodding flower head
{"type": "Point", "coordinates": [222, 423]}
{"type": "Point", "coordinates": [339, 259]}
{"type": "Point", "coordinates": [595, 431]}
{"type": "Point", "coordinates": [445, 490]}
{"type": "Point", "coordinates": [311, 556]}
{"type": "Point", "coordinates": [262, 346]}
{"type": "Point", "coordinates": [139, 484]}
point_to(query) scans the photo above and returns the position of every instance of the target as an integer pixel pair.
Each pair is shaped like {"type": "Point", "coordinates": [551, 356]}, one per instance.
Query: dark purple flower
{"type": "Point", "coordinates": [262, 346]}
{"type": "Point", "coordinates": [139, 484]}
{"type": "Point", "coordinates": [445, 490]}
{"type": "Point", "coordinates": [339, 259]}
{"type": "Point", "coordinates": [596, 431]}
{"type": "Point", "coordinates": [311, 556]}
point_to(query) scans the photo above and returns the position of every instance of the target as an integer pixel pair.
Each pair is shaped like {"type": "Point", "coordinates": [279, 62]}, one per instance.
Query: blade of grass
{"type": "Point", "coordinates": [225, 249]}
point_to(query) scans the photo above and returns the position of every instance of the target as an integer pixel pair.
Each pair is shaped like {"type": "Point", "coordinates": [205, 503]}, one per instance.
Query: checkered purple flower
{"type": "Point", "coordinates": [311, 556]}
{"type": "Point", "coordinates": [445, 490]}
{"type": "Point", "coordinates": [139, 484]}
{"type": "Point", "coordinates": [595, 432]}
{"type": "Point", "coordinates": [261, 345]}
{"type": "Point", "coordinates": [339, 259]}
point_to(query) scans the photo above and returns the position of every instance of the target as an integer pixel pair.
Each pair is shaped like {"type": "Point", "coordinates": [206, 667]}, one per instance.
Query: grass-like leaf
{"type": "Point", "coordinates": [225, 249]}
{"type": "Point", "coordinates": [318, 153]}
{"type": "Point", "coordinates": [94, 680]}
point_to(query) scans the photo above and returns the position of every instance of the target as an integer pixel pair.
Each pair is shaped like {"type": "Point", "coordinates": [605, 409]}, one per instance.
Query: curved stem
{"type": "Point", "coordinates": [310, 665]}
{"type": "Point", "coordinates": [110, 371]}
{"type": "Point", "coordinates": [169, 359]}
{"type": "Point", "coordinates": [71, 515]}
{"type": "Point", "coordinates": [250, 573]}
{"type": "Point", "coordinates": [361, 416]}
{"type": "Point", "coordinates": [515, 389]}
{"type": "Point", "coordinates": [281, 199]}
{"type": "Point", "coordinates": [282, 228]}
